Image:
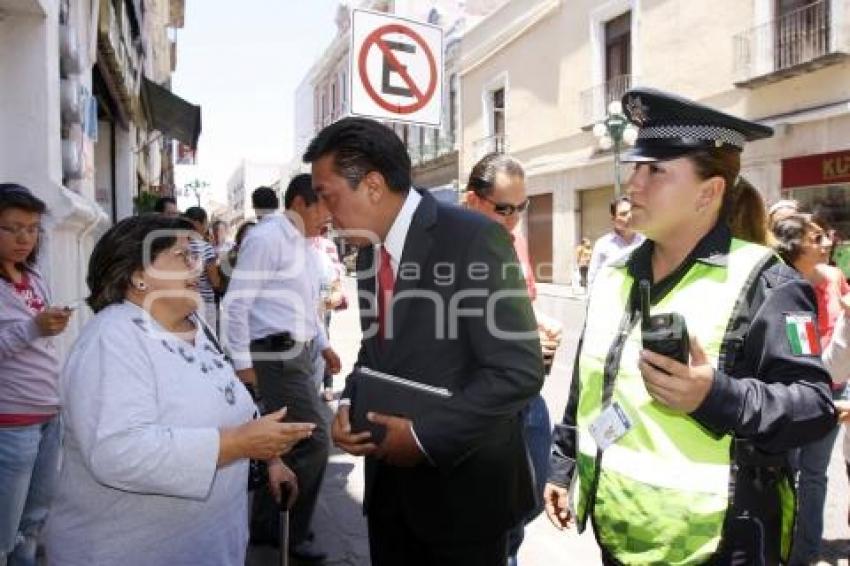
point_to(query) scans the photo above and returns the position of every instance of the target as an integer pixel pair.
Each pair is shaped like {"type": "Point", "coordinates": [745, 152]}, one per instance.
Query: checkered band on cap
{"type": "Point", "coordinates": [706, 133]}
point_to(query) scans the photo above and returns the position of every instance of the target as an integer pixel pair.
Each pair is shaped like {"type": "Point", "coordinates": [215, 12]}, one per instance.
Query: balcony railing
{"type": "Point", "coordinates": [595, 100]}
{"type": "Point", "coordinates": [797, 42]}
{"type": "Point", "coordinates": [491, 144]}
{"type": "Point", "coordinates": [420, 154]}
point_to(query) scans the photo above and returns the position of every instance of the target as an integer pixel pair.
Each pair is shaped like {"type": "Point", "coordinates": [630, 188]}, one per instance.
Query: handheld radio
{"type": "Point", "coordinates": [665, 334]}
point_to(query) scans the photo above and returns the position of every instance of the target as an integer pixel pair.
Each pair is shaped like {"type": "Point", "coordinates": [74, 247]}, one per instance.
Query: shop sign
{"type": "Point", "coordinates": [816, 170]}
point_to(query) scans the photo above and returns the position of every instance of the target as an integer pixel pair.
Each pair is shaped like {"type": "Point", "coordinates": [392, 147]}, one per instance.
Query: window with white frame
{"type": "Point", "coordinates": [613, 32]}
{"type": "Point", "coordinates": [497, 112]}
{"type": "Point", "coordinates": [494, 98]}
{"type": "Point", "coordinates": [618, 56]}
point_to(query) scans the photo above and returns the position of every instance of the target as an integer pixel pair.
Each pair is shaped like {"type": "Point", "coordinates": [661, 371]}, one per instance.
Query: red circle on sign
{"type": "Point", "coordinates": [375, 38]}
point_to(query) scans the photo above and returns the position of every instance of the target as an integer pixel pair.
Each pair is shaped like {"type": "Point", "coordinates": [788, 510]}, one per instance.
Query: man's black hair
{"type": "Point", "coordinates": [615, 204]}
{"type": "Point", "coordinates": [196, 214]}
{"type": "Point", "coordinates": [360, 146]}
{"type": "Point", "coordinates": [482, 178]}
{"type": "Point", "coordinates": [264, 198]}
{"type": "Point", "coordinates": [159, 205]}
{"type": "Point", "coordinates": [300, 186]}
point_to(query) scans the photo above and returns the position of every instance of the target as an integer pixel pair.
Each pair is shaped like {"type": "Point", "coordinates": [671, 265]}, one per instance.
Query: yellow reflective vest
{"type": "Point", "coordinates": [660, 494]}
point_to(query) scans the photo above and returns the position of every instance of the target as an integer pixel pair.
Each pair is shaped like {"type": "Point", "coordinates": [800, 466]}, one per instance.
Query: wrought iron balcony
{"type": "Point", "coordinates": [595, 100]}
{"type": "Point", "coordinates": [491, 144]}
{"type": "Point", "coordinates": [796, 43]}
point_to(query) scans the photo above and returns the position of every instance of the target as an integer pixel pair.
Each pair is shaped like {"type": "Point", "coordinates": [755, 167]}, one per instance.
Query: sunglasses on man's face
{"type": "Point", "coordinates": [506, 208]}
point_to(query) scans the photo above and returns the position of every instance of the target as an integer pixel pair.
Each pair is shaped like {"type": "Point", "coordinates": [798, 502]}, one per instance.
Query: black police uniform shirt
{"type": "Point", "coordinates": [767, 395]}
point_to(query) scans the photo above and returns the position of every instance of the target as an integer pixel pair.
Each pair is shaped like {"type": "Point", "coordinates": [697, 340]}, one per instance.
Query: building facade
{"type": "Point", "coordinates": [75, 129]}
{"type": "Point", "coordinates": [247, 176]}
{"type": "Point", "coordinates": [536, 75]}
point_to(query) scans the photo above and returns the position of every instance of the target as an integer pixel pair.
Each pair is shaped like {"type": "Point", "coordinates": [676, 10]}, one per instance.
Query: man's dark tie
{"type": "Point", "coordinates": [386, 282]}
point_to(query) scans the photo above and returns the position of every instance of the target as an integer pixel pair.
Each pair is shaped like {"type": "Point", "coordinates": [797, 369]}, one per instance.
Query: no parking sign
{"type": "Point", "coordinates": [396, 68]}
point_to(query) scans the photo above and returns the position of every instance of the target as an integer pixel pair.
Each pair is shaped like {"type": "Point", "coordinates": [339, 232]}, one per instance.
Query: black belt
{"type": "Point", "coordinates": [282, 341]}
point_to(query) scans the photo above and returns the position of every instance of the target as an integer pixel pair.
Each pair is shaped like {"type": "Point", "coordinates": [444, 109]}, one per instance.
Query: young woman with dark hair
{"type": "Point", "coordinates": [228, 260]}
{"type": "Point", "coordinates": [209, 282]}
{"type": "Point", "coordinates": [29, 378]}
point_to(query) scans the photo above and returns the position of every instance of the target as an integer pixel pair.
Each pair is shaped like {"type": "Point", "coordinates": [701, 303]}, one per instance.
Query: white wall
{"type": "Point", "coordinates": [30, 149]}
{"type": "Point", "coordinates": [304, 110]}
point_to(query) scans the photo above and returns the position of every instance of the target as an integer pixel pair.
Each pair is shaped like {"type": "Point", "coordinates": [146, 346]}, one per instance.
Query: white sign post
{"type": "Point", "coordinates": [396, 68]}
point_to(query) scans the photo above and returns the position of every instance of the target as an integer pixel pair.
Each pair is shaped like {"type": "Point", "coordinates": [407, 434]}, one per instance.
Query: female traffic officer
{"type": "Point", "coordinates": [685, 463]}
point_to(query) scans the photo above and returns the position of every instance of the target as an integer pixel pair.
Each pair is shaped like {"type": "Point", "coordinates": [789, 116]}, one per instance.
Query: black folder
{"type": "Point", "coordinates": [378, 392]}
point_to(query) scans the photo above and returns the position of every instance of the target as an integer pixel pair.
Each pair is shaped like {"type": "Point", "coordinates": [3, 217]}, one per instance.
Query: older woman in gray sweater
{"type": "Point", "coordinates": [158, 428]}
{"type": "Point", "coordinates": [29, 378]}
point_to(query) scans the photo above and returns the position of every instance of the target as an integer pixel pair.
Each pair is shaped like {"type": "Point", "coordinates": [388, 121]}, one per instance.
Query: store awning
{"type": "Point", "coordinates": [170, 114]}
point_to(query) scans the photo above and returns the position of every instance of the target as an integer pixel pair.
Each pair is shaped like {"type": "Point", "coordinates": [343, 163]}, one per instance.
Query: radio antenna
{"type": "Point", "coordinates": [644, 303]}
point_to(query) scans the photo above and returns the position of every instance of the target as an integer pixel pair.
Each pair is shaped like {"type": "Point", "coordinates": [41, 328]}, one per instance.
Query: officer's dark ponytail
{"type": "Point", "coordinates": [745, 213]}
{"type": "Point", "coordinates": [743, 207]}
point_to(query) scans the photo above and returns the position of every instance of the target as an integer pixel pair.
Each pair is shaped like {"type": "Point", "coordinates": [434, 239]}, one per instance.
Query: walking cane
{"type": "Point", "coordinates": [283, 534]}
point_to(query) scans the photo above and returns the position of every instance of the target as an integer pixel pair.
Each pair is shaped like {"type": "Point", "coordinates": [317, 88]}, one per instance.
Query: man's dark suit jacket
{"type": "Point", "coordinates": [457, 272]}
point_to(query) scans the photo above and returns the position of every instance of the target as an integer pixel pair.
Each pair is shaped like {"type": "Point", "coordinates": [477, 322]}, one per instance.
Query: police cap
{"type": "Point", "coordinates": [670, 126]}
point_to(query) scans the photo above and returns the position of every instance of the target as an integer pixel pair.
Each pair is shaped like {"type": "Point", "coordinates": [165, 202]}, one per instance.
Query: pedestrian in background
{"type": "Point", "coordinates": [228, 262]}
{"type": "Point", "coordinates": [781, 209]}
{"type": "Point", "coordinates": [209, 281]}
{"type": "Point", "coordinates": [496, 188]}
{"type": "Point", "coordinates": [619, 241]}
{"type": "Point", "coordinates": [166, 206]}
{"type": "Point", "coordinates": [584, 252]}
{"type": "Point", "coordinates": [29, 378]}
{"type": "Point", "coordinates": [272, 327]}
{"type": "Point", "coordinates": [310, 217]}
{"type": "Point", "coordinates": [836, 358]}
{"type": "Point", "coordinates": [687, 463]}
{"type": "Point", "coordinates": [333, 294]}
{"type": "Point", "coordinates": [218, 238]}
{"type": "Point", "coordinates": [803, 245]}
{"type": "Point", "coordinates": [159, 429]}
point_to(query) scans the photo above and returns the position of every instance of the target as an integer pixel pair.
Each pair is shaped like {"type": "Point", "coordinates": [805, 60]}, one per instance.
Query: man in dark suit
{"type": "Point", "coordinates": [443, 302]}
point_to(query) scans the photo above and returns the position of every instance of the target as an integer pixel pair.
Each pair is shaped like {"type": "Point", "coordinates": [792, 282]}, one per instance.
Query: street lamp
{"type": "Point", "coordinates": [613, 131]}
{"type": "Point", "coordinates": [196, 186]}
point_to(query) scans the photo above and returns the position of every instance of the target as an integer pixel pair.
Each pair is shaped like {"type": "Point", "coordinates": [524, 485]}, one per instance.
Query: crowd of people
{"type": "Point", "coordinates": [206, 369]}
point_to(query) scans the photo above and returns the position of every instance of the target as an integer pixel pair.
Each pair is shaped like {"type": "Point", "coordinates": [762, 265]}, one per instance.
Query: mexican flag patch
{"type": "Point", "coordinates": [802, 334]}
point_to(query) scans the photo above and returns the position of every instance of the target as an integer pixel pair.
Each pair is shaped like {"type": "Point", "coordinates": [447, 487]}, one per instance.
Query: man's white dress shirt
{"type": "Point", "coordinates": [608, 248]}
{"type": "Point", "coordinates": [275, 288]}
{"type": "Point", "coordinates": [394, 242]}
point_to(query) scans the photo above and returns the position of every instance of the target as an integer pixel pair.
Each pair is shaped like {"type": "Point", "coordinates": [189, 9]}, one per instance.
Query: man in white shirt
{"type": "Point", "coordinates": [616, 243]}
{"type": "Point", "coordinates": [271, 326]}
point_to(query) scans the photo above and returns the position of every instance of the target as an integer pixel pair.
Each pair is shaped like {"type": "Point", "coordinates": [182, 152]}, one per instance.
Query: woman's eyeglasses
{"type": "Point", "coordinates": [18, 231]}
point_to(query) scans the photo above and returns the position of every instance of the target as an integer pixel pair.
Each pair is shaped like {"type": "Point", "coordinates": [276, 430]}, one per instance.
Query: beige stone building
{"type": "Point", "coordinates": [536, 75]}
